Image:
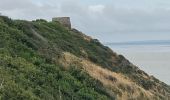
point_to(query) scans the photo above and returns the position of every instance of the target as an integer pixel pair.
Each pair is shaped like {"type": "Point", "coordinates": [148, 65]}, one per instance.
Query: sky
{"type": "Point", "coordinates": [106, 20]}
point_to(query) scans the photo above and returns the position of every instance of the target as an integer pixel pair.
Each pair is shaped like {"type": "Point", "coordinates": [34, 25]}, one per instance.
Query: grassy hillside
{"type": "Point", "coordinates": [42, 60]}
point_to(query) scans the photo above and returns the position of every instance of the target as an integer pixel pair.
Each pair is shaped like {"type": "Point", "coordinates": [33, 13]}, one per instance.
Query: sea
{"type": "Point", "coordinates": [152, 56]}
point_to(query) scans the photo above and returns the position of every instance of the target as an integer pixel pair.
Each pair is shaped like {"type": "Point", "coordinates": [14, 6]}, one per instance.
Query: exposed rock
{"type": "Point", "coordinates": [65, 21]}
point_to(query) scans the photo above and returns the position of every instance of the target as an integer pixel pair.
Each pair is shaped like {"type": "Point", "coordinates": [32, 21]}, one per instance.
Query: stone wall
{"type": "Point", "coordinates": [65, 21]}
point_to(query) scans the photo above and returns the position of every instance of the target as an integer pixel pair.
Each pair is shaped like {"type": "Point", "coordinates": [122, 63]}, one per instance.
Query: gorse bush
{"type": "Point", "coordinates": [28, 68]}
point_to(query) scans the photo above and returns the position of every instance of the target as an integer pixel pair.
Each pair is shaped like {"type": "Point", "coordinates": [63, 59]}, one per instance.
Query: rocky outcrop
{"type": "Point", "coordinates": [65, 21]}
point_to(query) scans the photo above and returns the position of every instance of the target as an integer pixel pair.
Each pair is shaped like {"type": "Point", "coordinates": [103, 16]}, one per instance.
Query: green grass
{"type": "Point", "coordinates": [28, 68]}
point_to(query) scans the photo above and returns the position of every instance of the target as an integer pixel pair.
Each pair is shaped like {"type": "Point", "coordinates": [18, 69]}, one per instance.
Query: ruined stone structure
{"type": "Point", "coordinates": [65, 21]}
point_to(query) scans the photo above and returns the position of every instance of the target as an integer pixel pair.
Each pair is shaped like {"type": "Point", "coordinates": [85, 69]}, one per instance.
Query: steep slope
{"type": "Point", "coordinates": [43, 60]}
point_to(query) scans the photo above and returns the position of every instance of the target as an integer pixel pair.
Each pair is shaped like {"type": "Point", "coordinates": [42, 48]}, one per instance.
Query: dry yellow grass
{"type": "Point", "coordinates": [119, 84]}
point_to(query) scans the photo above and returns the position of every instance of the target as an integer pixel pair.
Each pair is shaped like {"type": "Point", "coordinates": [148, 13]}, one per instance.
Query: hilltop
{"type": "Point", "coordinates": [41, 60]}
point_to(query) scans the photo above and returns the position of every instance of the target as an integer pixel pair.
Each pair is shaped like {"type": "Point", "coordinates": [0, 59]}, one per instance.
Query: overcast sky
{"type": "Point", "coordinates": [107, 20]}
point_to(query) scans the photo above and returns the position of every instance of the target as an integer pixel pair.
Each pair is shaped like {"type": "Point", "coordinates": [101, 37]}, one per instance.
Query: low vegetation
{"type": "Point", "coordinates": [42, 60]}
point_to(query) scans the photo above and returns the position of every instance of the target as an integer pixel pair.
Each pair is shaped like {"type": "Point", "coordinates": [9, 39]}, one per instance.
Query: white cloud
{"type": "Point", "coordinates": [96, 8]}
{"type": "Point", "coordinates": [112, 16]}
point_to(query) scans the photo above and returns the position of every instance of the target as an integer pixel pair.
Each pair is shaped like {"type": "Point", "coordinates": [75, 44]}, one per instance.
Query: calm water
{"type": "Point", "coordinates": [152, 58]}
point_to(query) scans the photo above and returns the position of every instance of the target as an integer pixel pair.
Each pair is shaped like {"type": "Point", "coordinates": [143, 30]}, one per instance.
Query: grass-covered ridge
{"type": "Point", "coordinates": [32, 66]}
{"type": "Point", "coordinates": [28, 68]}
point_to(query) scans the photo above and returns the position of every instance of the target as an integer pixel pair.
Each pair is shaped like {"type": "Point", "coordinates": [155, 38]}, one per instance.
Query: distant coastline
{"type": "Point", "coordinates": [147, 42]}
{"type": "Point", "coordinates": [149, 55]}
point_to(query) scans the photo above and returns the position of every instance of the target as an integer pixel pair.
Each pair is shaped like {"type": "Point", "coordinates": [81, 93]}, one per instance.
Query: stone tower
{"type": "Point", "coordinates": [65, 21]}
